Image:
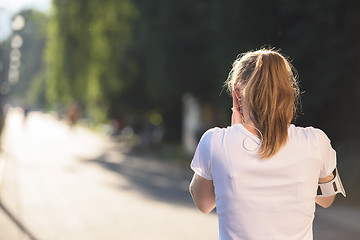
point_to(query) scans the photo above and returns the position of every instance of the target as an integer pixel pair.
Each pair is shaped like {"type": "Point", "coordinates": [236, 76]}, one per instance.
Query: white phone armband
{"type": "Point", "coordinates": [331, 188]}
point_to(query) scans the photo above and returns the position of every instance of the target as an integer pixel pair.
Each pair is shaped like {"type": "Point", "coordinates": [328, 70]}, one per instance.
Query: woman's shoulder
{"type": "Point", "coordinates": [306, 132]}
{"type": "Point", "coordinates": [212, 131]}
{"type": "Point", "coordinates": [215, 132]}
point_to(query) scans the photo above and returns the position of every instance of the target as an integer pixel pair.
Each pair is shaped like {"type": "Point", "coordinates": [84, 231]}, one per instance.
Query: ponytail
{"type": "Point", "coordinates": [271, 95]}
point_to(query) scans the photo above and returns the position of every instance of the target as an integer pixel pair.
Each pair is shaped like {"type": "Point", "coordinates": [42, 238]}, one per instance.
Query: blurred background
{"type": "Point", "coordinates": [144, 79]}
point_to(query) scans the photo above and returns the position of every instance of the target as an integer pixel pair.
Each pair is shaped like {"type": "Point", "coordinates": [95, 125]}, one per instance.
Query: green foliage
{"type": "Point", "coordinates": [36, 92]}
{"type": "Point", "coordinates": [85, 52]}
{"type": "Point", "coordinates": [124, 59]}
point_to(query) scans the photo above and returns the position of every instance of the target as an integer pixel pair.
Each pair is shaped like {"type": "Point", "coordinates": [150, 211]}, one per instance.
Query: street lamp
{"type": "Point", "coordinates": [18, 23]}
{"type": "Point", "coordinates": [4, 54]}
{"type": "Point", "coordinates": [9, 70]}
{"type": "Point", "coordinates": [4, 85]}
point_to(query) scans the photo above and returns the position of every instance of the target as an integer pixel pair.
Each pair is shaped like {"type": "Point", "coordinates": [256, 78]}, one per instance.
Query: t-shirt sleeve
{"type": "Point", "coordinates": [202, 158]}
{"type": "Point", "coordinates": [327, 154]}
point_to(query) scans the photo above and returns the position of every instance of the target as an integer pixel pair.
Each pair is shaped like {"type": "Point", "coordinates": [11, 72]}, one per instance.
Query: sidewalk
{"type": "Point", "coordinates": [337, 222]}
{"type": "Point", "coordinates": [74, 185]}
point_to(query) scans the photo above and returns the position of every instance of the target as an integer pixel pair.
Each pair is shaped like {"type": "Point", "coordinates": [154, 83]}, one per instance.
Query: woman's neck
{"type": "Point", "coordinates": [247, 121]}
{"type": "Point", "coordinates": [249, 124]}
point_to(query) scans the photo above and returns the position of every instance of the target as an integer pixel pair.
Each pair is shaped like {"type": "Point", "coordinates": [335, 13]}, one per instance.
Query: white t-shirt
{"type": "Point", "coordinates": [264, 199]}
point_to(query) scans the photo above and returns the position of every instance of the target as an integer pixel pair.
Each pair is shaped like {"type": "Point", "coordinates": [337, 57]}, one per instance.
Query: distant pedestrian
{"type": "Point", "coordinates": [262, 173]}
{"type": "Point", "coordinates": [26, 111]}
{"type": "Point", "coordinates": [73, 114]}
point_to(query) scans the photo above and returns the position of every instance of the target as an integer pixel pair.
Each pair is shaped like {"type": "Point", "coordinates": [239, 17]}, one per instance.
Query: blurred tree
{"type": "Point", "coordinates": [176, 56]}
{"type": "Point", "coordinates": [322, 37]}
{"type": "Point", "coordinates": [85, 53]}
{"type": "Point", "coordinates": [129, 58]}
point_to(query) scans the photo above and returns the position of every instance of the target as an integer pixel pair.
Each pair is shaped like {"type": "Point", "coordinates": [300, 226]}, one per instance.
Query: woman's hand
{"type": "Point", "coordinates": [236, 117]}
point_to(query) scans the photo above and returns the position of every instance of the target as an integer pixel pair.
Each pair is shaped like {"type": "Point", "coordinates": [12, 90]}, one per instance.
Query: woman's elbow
{"type": "Point", "coordinates": [203, 205]}
{"type": "Point", "coordinates": [204, 208]}
{"type": "Point", "coordinates": [325, 202]}
{"type": "Point", "coordinates": [326, 205]}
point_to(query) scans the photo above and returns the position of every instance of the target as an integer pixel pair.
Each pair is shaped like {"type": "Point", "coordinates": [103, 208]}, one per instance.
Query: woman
{"type": "Point", "coordinates": [262, 172]}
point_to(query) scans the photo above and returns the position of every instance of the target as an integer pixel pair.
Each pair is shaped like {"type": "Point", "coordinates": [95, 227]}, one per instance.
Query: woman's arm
{"type": "Point", "coordinates": [203, 194]}
{"type": "Point", "coordinates": [325, 202]}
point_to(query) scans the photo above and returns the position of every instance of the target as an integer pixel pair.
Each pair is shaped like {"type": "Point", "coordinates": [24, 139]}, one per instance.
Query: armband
{"type": "Point", "coordinates": [331, 188]}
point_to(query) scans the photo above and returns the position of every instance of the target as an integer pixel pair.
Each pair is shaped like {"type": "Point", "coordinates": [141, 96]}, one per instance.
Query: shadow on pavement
{"type": "Point", "coordinates": [157, 179]}
{"type": "Point", "coordinates": [18, 224]}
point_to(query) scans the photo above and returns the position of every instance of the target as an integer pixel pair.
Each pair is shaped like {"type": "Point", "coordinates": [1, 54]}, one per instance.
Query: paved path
{"type": "Point", "coordinates": [57, 183]}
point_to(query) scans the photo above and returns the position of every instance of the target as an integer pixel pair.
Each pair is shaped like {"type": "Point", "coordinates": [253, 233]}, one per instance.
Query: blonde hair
{"type": "Point", "coordinates": [268, 84]}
